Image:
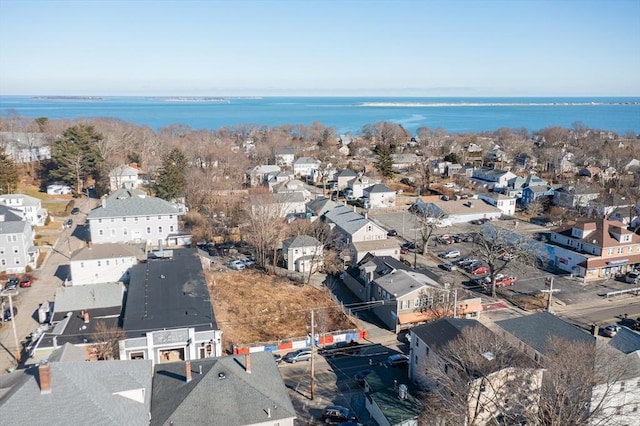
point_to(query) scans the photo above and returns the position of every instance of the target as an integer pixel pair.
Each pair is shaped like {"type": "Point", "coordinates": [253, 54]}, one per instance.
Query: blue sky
{"type": "Point", "coordinates": [296, 47]}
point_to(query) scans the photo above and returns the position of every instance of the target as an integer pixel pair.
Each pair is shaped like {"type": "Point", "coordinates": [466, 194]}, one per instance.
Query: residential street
{"type": "Point", "coordinates": [47, 278]}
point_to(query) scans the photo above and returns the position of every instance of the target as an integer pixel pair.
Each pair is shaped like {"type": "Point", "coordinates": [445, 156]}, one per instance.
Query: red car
{"type": "Point", "coordinates": [505, 281]}
{"type": "Point", "coordinates": [26, 282]}
{"type": "Point", "coordinates": [480, 270]}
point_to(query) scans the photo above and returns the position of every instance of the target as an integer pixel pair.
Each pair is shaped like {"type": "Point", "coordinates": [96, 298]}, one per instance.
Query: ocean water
{"type": "Point", "coordinates": [345, 114]}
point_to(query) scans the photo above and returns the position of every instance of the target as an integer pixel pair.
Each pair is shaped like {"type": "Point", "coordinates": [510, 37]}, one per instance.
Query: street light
{"type": "Point", "coordinates": [13, 320]}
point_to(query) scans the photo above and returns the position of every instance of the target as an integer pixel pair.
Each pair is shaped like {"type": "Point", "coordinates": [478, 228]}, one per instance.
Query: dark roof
{"type": "Point", "coordinates": [536, 329]}
{"type": "Point", "coordinates": [168, 293]}
{"type": "Point", "coordinates": [444, 330]}
{"type": "Point", "coordinates": [238, 398]}
{"type": "Point", "coordinates": [384, 384]}
{"type": "Point", "coordinates": [626, 340]}
{"type": "Point", "coordinates": [384, 265]}
{"type": "Point", "coordinates": [9, 214]}
{"type": "Point", "coordinates": [71, 327]}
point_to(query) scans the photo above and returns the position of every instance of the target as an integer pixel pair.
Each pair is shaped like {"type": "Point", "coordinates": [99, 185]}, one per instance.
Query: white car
{"type": "Point", "coordinates": [451, 254]}
{"type": "Point", "coordinates": [237, 265]}
{"type": "Point", "coordinates": [248, 263]}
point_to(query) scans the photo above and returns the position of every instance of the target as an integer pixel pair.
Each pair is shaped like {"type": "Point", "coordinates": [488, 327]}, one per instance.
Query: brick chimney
{"type": "Point", "coordinates": [247, 363]}
{"type": "Point", "coordinates": [187, 371]}
{"type": "Point", "coordinates": [44, 377]}
{"type": "Point", "coordinates": [85, 317]}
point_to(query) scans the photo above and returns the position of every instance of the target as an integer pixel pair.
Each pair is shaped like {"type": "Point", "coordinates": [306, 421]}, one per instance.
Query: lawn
{"type": "Point", "coordinates": [251, 307]}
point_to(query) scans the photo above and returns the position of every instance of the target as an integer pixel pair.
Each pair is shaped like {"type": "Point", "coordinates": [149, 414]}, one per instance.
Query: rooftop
{"type": "Point", "coordinates": [128, 203]}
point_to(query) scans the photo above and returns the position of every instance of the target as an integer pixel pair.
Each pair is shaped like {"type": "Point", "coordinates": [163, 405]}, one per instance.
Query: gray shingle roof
{"type": "Point", "coordinates": [378, 188]}
{"type": "Point", "coordinates": [347, 220]}
{"type": "Point", "coordinates": [13, 227]}
{"type": "Point", "coordinates": [403, 282]}
{"type": "Point", "coordinates": [626, 341]}
{"type": "Point", "coordinates": [536, 329]}
{"type": "Point", "coordinates": [81, 393]}
{"type": "Point", "coordinates": [9, 214]}
{"type": "Point", "coordinates": [301, 241]}
{"type": "Point", "coordinates": [127, 203]}
{"type": "Point", "coordinates": [124, 170]}
{"type": "Point", "coordinates": [321, 205]}
{"type": "Point", "coordinates": [444, 330]}
{"type": "Point", "coordinates": [239, 398]}
{"type": "Point", "coordinates": [107, 251]}
{"type": "Point", "coordinates": [168, 293]}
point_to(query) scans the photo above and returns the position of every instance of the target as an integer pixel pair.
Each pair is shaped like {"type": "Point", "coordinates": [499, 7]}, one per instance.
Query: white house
{"type": "Point", "coordinates": [380, 196]}
{"type": "Point", "coordinates": [506, 204]}
{"type": "Point", "coordinates": [389, 247]}
{"type": "Point", "coordinates": [492, 178]}
{"type": "Point", "coordinates": [103, 263]}
{"type": "Point", "coordinates": [23, 147]}
{"type": "Point", "coordinates": [125, 176]}
{"type": "Point", "coordinates": [302, 253]}
{"type": "Point", "coordinates": [17, 251]}
{"type": "Point", "coordinates": [284, 156]}
{"type": "Point", "coordinates": [352, 226]}
{"type": "Point", "coordinates": [305, 166]}
{"type": "Point", "coordinates": [26, 206]}
{"type": "Point", "coordinates": [131, 216]}
{"type": "Point", "coordinates": [59, 189]}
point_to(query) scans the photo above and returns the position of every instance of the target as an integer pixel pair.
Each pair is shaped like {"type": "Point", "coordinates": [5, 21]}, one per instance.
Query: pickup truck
{"type": "Point", "coordinates": [340, 349]}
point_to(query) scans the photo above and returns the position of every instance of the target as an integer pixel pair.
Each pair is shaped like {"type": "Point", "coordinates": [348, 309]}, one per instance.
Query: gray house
{"type": "Point", "coordinates": [17, 251]}
{"type": "Point", "coordinates": [128, 216]}
{"type": "Point", "coordinates": [232, 391]}
{"type": "Point", "coordinates": [78, 393]}
{"type": "Point", "coordinates": [302, 253]}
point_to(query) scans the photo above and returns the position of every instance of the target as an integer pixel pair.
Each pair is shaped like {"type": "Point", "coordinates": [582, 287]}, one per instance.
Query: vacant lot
{"type": "Point", "coordinates": [251, 307]}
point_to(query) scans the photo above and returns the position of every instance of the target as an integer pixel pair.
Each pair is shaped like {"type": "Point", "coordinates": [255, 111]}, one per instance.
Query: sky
{"type": "Point", "coordinates": [323, 48]}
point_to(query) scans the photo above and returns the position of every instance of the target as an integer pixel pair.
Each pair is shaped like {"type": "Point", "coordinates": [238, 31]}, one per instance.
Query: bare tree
{"type": "Point", "coordinates": [428, 217]}
{"type": "Point", "coordinates": [535, 208]}
{"type": "Point", "coordinates": [264, 225]}
{"type": "Point", "coordinates": [478, 378]}
{"type": "Point", "coordinates": [498, 247]}
{"type": "Point", "coordinates": [436, 302]}
{"type": "Point", "coordinates": [106, 340]}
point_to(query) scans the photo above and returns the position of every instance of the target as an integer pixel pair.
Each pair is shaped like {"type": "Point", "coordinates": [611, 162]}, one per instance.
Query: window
{"type": "Point", "coordinates": [620, 250]}
{"type": "Point", "coordinates": [622, 387]}
{"type": "Point", "coordinates": [135, 219]}
{"type": "Point", "coordinates": [101, 232]}
{"type": "Point", "coordinates": [17, 260]}
{"type": "Point", "coordinates": [160, 229]}
{"type": "Point", "coordinates": [630, 249]}
{"type": "Point", "coordinates": [148, 229]}
{"type": "Point", "coordinates": [112, 220]}
{"type": "Point", "coordinates": [124, 219]}
{"type": "Point", "coordinates": [171, 228]}
{"type": "Point", "coordinates": [405, 304]}
{"type": "Point", "coordinates": [113, 232]}
{"type": "Point", "coordinates": [99, 220]}
{"type": "Point", "coordinates": [99, 263]}
{"type": "Point", "coordinates": [106, 262]}
{"type": "Point", "coordinates": [170, 216]}
{"type": "Point", "coordinates": [1, 250]}
{"type": "Point", "coordinates": [124, 231]}
{"type": "Point", "coordinates": [148, 218]}
{"type": "Point", "coordinates": [369, 228]}
{"type": "Point", "coordinates": [3, 262]}
{"type": "Point", "coordinates": [82, 264]}
{"type": "Point", "coordinates": [15, 249]}
{"type": "Point", "coordinates": [159, 217]}
{"type": "Point", "coordinates": [610, 251]}
{"type": "Point", "coordinates": [416, 303]}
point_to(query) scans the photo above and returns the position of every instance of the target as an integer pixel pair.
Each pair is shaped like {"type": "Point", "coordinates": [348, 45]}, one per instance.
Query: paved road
{"type": "Point", "coordinates": [49, 277]}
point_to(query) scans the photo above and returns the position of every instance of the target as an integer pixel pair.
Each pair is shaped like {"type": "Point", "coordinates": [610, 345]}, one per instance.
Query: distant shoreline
{"type": "Point", "coordinates": [72, 98]}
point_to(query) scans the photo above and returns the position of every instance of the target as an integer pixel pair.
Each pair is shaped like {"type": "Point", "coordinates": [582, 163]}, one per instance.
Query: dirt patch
{"type": "Point", "coordinates": [527, 302]}
{"type": "Point", "coordinates": [252, 307]}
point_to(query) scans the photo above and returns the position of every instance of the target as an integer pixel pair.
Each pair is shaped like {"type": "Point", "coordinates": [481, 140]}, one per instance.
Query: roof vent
{"type": "Point", "coordinates": [221, 376]}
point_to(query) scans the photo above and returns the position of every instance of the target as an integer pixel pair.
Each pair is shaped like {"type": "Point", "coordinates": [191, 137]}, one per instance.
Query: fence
{"type": "Point", "coordinates": [301, 342]}
{"type": "Point", "coordinates": [635, 290]}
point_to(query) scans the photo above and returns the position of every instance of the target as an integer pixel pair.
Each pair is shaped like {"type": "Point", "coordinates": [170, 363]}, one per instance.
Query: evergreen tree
{"type": "Point", "coordinates": [76, 155]}
{"type": "Point", "coordinates": [8, 173]}
{"type": "Point", "coordinates": [384, 162]}
{"type": "Point", "coordinates": [171, 178]}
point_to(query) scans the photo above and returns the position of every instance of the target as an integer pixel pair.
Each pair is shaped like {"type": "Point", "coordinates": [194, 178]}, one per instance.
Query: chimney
{"type": "Point", "coordinates": [247, 363]}
{"type": "Point", "coordinates": [44, 377]}
{"type": "Point", "coordinates": [104, 201]}
{"type": "Point", "coordinates": [85, 316]}
{"type": "Point", "coordinates": [187, 371]}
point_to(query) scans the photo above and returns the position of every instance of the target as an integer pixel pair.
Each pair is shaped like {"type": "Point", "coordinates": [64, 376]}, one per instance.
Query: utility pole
{"type": "Point", "coordinates": [13, 325]}
{"type": "Point", "coordinates": [548, 283]}
{"type": "Point", "coordinates": [313, 357]}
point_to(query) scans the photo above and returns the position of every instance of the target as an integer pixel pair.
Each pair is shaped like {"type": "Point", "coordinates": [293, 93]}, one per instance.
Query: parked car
{"type": "Point", "coordinates": [480, 270]}
{"type": "Point", "coordinates": [12, 283]}
{"type": "Point", "coordinates": [7, 313]}
{"type": "Point", "coordinates": [466, 261]}
{"type": "Point", "coordinates": [632, 277]}
{"type": "Point", "coordinates": [277, 358]}
{"type": "Point", "coordinates": [299, 355]}
{"type": "Point", "coordinates": [610, 330]}
{"type": "Point", "coordinates": [360, 375]}
{"type": "Point", "coordinates": [237, 265]}
{"type": "Point", "coordinates": [451, 254]}
{"type": "Point", "coordinates": [392, 233]}
{"type": "Point", "coordinates": [75, 210]}
{"type": "Point", "coordinates": [404, 250]}
{"type": "Point", "coordinates": [505, 281]}
{"type": "Point", "coordinates": [340, 348]}
{"type": "Point", "coordinates": [68, 223]}
{"type": "Point", "coordinates": [408, 246]}
{"type": "Point", "coordinates": [26, 282]}
{"type": "Point", "coordinates": [397, 360]}
{"type": "Point", "coordinates": [448, 266]}
{"type": "Point", "coordinates": [338, 414]}
{"type": "Point", "coordinates": [248, 263]}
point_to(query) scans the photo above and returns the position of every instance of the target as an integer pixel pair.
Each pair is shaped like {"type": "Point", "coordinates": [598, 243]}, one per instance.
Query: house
{"type": "Point", "coordinates": [594, 248]}
{"type": "Point", "coordinates": [306, 167]}
{"type": "Point", "coordinates": [453, 169]}
{"type": "Point", "coordinates": [259, 175]}
{"type": "Point", "coordinates": [26, 147]}
{"type": "Point", "coordinates": [492, 178]}
{"type": "Point", "coordinates": [412, 298]}
{"type": "Point", "coordinates": [507, 205]}
{"type": "Point", "coordinates": [291, 203]}
{"type": "Point", "coordinates": [389, 247]}
{"type": "Point", "coordinates": [361, 274]}
{"type": "Point", "coordinates": [573, 196]}
{"type": "Point", "coordinates": [17, 250]}
{"type": "Point", "coordinates": [79, 313]}
{"type": "Point", "coordinates": [458, 211]}
{"type": "Point", "coordinates": [590, 173]}
{"type": "Point", "coordinates": [292, 185]}
{"type": "Point", "coordinates": [404, 161]}
{"type": "Point", "coordinates": [129, 215]}
{"type": "Point", "coordinates": [99, 393]}
{"type": "Point", "coordinates": [380, 196]}
{"type": "Point", "coordinates": [302, 253]}
{"type": "Point", "coordinates": [496, 154]}
{"type": "Point", "coordinates": [279, 178]}
{"type": "Point", "coordinates": [284, 156]}
{"type": "Point", "coordinates": [234, 390]}
{"type": "Point", "coordinates": [26, 206]}
{"type": "Point", "coordinates": [168, 316]}
{"type": "Point", "coordinates": [124, 176]}
{"type": "Point", "coordinates": [525, 161]}
{"type": "Point", "coordinates": [343, 178]}
{"type": "Point", "coordinates": [427, 342]}
{"type": "Point", "coordinates": [352, 226]}
{"type": "Point", "coordinates": [356, 186]}
{"type": "Point", "coordinates": [531, 333]}
{"type": "Point", "coordinates": [320, 206]}
{"type": "Point", "coordinates": [391, 399]}
{"type": "Point", "coordinates": [103, 263]}
{"type": "Point", "coordinates": [536, 192]}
